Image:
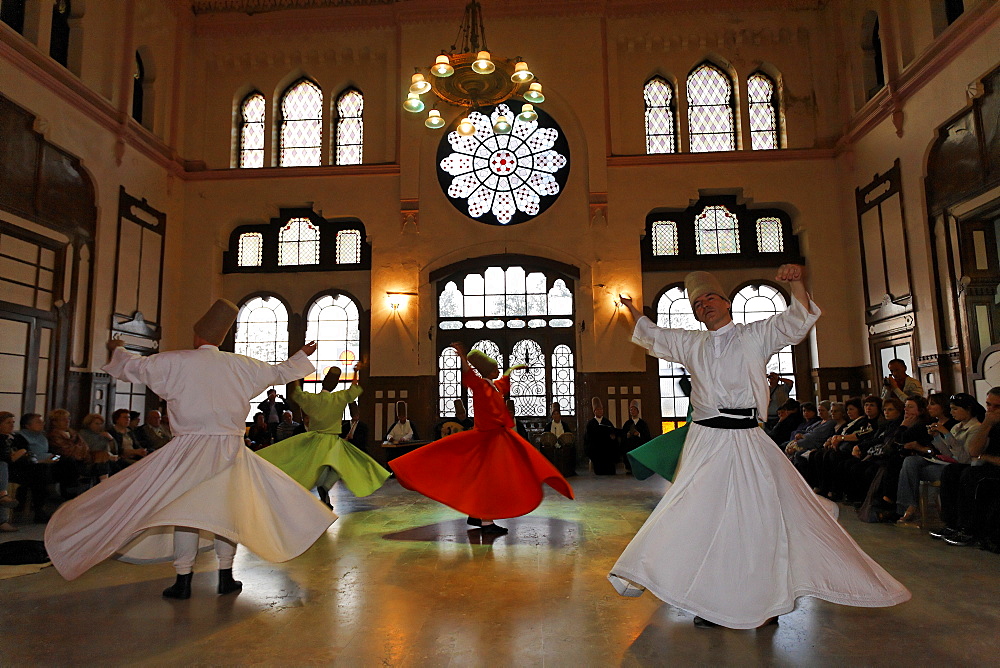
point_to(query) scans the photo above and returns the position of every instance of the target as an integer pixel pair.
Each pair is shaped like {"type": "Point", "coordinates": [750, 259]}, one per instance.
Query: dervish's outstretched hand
{"type": "Point", "coordinates": [460, 349]}
{"type": "Point", "coordinates": [795, 276]}
{"type": "Point", "coordinates": [114, 343]}
{"type": "Point", "coordinates": [630, 305]}
{"type": "Point", "coordinates": [310, 348]}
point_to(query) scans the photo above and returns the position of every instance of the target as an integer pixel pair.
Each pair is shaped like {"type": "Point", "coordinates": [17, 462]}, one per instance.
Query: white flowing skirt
{"type": "Point", "coordinates": [208, 482]}
{"type": "Point", "coordinates": [739, 536]}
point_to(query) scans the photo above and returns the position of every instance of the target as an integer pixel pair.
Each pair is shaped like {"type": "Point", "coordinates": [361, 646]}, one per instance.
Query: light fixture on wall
{"type": "Point", "coordinates": [396, 298]}
{"type": "Point", "coordinates": [469, 76]}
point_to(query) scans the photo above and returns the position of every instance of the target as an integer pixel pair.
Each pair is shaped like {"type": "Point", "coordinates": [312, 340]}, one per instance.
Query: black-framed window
{"type": "Point", "coordinates": [764, 96]}
{"type": "Point", "coordinates": [251, 130]}
{"type": "Point", "coordinates": [661, 116]}
{"type": "Point", "coordinates": [711, 99]}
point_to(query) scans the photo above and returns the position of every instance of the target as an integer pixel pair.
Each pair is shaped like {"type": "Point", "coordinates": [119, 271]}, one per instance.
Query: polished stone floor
{"type": "Point", "coordinates": [399, 581]}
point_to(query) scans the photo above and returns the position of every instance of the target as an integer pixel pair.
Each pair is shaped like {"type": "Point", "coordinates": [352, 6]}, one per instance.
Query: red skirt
{"type": "Point", "coordinates": [486, 473]}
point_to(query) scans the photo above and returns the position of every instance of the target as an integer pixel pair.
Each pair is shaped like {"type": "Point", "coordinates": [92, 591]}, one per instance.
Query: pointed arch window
{"type": "Point", "coordinates": [711, 110]}
{"type": "Point", "coordinates": [717, 231]}
{"type": "Point", "coordinates": [350, 128]}
{"type": "Point", "coordinates": [298, 243]}
{"type": "Point", "coordinates": [563, 374]}
{"type": "Point", "coordinates": [765, 109]}
{"type": "Point", "coordinates": [333, 322]}
{"type": "Point", "coordinates": [661, 124]}
{"type": "Point", "coordinates": [301, 125]}
{"type": "Point", "coordinates": [449, 382]}
{"type": "Point", "coordinates": [252, 131]}
{"type": "Point", "coordinates": [527, 386]}
{"type": "Point", "coordinates": [262, 333]}
{"type": "Point", "coordinates": [251, 250]}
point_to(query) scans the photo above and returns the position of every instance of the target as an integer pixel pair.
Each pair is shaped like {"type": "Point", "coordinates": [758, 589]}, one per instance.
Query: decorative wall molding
{"type": "Point", "coordinates": [782, 155]}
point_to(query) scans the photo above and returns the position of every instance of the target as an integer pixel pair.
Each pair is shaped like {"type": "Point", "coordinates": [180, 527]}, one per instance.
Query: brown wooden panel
{"type": "Point", "coordinates": [955, 164]}
{"type": "Point", "coordinates": [65, 196]}
{"type": "Point", "coordinates": [18, 159]}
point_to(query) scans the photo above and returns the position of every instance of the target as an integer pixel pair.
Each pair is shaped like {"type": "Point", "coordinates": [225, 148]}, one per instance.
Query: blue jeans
{"type": "Point", "coordinates": [914, 470]}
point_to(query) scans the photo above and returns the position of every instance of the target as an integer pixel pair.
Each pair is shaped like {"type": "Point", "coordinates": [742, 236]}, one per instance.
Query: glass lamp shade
{"type": "Point", "coordinates": [413, 103]}
{"type": "Point", "coordinates": [528, 114]}
{"type": "Point", "coordinates": [534, 93]}
{"type": "Point", "coordinates": [482, 64]}
{"type": "Point", "coordinates": [501, 127]}
{"type": "Point", "coordinates": [418, 84]}
{"type": "Point", "coordinates": [434, 120]}
{"type": "Point", "coordinates": [442, 67]}
{"type": "Point", "coordinates": [521, 73]}
{"type": "Point", "coordinates": [466, 128]}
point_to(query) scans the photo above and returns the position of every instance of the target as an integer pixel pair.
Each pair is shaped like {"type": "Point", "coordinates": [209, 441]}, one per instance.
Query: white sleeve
{"type": "Point", "coordinates": [295, 367]}
{"type": "Point", "coordinates": [129, 366]}
{"type": "Point", "coordinates": [667, 344]}
{"type": "Point", "coordinates": [788, 327]}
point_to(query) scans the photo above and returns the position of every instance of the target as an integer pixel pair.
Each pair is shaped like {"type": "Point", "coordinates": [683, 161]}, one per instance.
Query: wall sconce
{"type": "Point", "coordinates": [396, 298]}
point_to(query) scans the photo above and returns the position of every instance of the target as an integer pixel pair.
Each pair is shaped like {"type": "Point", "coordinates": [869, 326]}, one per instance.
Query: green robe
{"type": "Point", "coordinates": [304, 456]}
{"type": "Point", "coordinates": [660, 455]}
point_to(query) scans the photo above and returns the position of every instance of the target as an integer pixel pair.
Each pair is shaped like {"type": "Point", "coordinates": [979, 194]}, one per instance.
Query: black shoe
{"type": "Point", "coordinates": [961, 539]}
{"type": "Point", "coordinates": [227, 584]}
{"type": "Point", "coordinates": [704, 623]}
{"type": "Point", "coordinates": [494, 529]}
{"type": "Point", "coordinates": [324, 496]}
{"type": "Point", "coordinates": [946, 532]}
{"type": "Point", "coordinates": [474, 521]}
{"type": "Point", "coordinates": [181, 589]}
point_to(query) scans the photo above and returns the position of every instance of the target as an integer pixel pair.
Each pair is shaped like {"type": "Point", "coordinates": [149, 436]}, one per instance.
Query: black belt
{"type": "Point", "coordinates": [749, 412]}
{"type": "Point", "coordinates": [726, 422]}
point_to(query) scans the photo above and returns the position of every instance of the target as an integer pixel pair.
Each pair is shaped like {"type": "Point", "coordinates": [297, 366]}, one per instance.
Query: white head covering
{"type": "Point", "coordinates": [700, 283]}
{"type": "Point", "coordinates": [215, 324]}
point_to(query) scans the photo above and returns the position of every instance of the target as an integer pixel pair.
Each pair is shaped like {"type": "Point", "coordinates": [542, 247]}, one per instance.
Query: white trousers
{"type": "Point", "coordinates": [186, 550]}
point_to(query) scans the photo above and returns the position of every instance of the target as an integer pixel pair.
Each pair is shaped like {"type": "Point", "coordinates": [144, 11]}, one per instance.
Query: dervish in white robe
{"type": "Point", "coordinates": [740, 535]}
{"type": "Point", "coordinates": [205, 480]}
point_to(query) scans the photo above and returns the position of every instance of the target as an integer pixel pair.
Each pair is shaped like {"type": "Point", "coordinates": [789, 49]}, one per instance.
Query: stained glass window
{"type": "Point", "coordinates": [449, 382]}
{"type": "Point", "coordinates": [333, 322]}
{"type": "Point", "coordinates": [674, 310]}
{"type": "Point", "coordinates": [350, 128]}
{"type": "Point", "coordinates": [262, 333]}
{"type": "Point", "coordinates": [711, 110]}
{"type": "Point", "coordinates": [664, 237]}
{"type": "Point", "coordinates": [563, 373]}
{"type": "Point", "coordinates": [757, 302]}
{"type": "Point", "coordinates": [717, 231]}
{"type": "Point", "coordinates": [301, 125]}
{"type": "Point", "coordinates": [527, 386]}
{"type": "Point", "coordinates": [764, 110]}
{"type": "Point", "coordinates": [298, 243]}
{"type": "Point", "coordinates": [348, 247]}
{"type": "Point", "coordinates": [490, 349]}
{"type": "Point", "coordinates": [252, 131]}
{"type": "Point", "coordinates": [251, 249]}
{"type": "Point", "coordinates": [506, 297]}
{"type": "Point", "coordinates": [661, 132]}
{"type": "Point", "coordinates": [769, 235]}
{"type": "Point", "coordinates": [504, 179]}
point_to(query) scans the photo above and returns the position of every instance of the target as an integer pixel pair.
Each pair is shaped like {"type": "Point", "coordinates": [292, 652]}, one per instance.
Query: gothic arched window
{"type": "Point", "coordinates": [262, 333]}
{"type": "Point", "coordinates": [349, 137]}
{"type": "Point", "coordinates": [527, 386]}
{"type": "Point", "coordinates": [252, 130]}
{"type": "Point", "coordinates": [711, 110]}
{"type": "Point", "coordinates": [661, 124]}
{"type": "Point", "coordinates": [563, 375]}
{"type": "Point", "coordinates": [333, 322]}
{"type": "Point", "coordinates": [765, 110]}
{"type": "Point", "coordinates": [298, 243]}
{"type": "Point", "coordinates": [301, 125]}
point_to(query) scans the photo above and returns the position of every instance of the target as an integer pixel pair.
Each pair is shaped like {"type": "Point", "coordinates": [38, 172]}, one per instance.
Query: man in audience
{"type": "Point", "coordinates": [154, 434]}
{"type": "Point", "coordinates": [898, 384]}
{"type": "Point", "coordinates": [461, 421]}
{"type": "Point", "coordinates": [354, 430]}
{"type": "Point", "coordinates": [273, 408]}
{"type": "Point", "coordinates": [601, 441]}
{"type": "Point", "coordinates": [556, 424]}
{"type": "Point", "coordinates": [789, 418]}
{"type": "Point", "coordinates": [287, 427]}
{"type": "Point", "coordinates": [402, 430]}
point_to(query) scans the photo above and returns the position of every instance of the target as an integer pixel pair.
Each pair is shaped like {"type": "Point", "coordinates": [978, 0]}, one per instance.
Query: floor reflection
{"type": "Point", "coordinates": [520, 531]}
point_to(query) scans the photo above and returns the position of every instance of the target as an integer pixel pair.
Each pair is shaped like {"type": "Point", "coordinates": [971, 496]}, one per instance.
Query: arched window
{"type": "Point", "coordinates": [874, 69]}
{"type": "Point", "coordinates": [252, 131]}
{"type": "Point", "coordinates": [563, 374]}
{"type": "Point", "coordinates": [711, 110]}
{"type": "Point", "coordinates": [333, 322]}
{"type": "Point", "coordinates": [138, 81]}
{"type": "Point", "coordinates": [717, 231]}
{"type": "Point", "coordinates": [449, 382]}
{"type": "Point", "coordinates": [665, 237]}
{"type": "Point", "coordinates": [251, 251]}
{"type": "Point", "coordinates": [770, 237]}
{"type": "Point", "coordinates": [262, 333]}
{"type": "Point", "coordinates": [59, 42]}
{"type": "Point", "coordinates": [301, 125]}
{"type": "Point", "coordinates": [661, 125]}
{"type": "Point", "coordinates": [757, 302]}
{"type": "Point", "coordinates": [765, 109]}
{"type": "Point", "coordinates": [348, 247]}
{"type": "Point", "coordinates": [298, 243]}
{"type": "Point", "coordinates": [673, 310]}
{"type": "Point", "coordinates": [527, 386]}
{"type": "Point", "coordinates": [350, 128]}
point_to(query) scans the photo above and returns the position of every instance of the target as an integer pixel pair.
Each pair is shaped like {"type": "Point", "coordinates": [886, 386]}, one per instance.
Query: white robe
{"type": "Point", "coordinates": [740, 535]}
{"type": "Point", "coordinates": [204, 478]}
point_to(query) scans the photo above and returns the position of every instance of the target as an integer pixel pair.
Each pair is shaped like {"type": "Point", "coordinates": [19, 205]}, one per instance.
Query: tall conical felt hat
{"type": "Point", "coordinates": [215, 324]}
{"type": "Point", "coordinates": [479, 357]}
{"type": "Point", "coordinates": [595, 402]}
{"type": "Point", "coordinates": [700, 283]}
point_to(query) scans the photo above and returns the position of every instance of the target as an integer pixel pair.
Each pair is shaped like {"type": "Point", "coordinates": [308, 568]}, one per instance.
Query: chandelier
{"type": "Point", "coordinates": [467, 76]}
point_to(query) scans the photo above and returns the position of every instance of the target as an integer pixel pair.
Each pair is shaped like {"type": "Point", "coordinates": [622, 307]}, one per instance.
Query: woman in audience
{"type": "Point", "coordinates": [128, 452]}
{"type": "Point", "coordinates": [812, 465]}
{"type": "Point", "coordinates": [789, 418]}
{"type": "Point", "coordinates": [948, 446]}
{"type": "Point", "coordinates": [259, 435]}
{"type": "Point", "coordinates": [34, 470]}
{"type": "Point", "coordinates": [939, 408]}
{"type": "Point", "coordinates": [102, 445]}
{"type": "Point", "coordinates": [810, 418]}
{"type": "Point", "coordinates": [911, 440]}
{"type": "Point", "coordinates": [810, 440]}
{"type": "Point", "coordinates": [837, 449]}
{"type": "Point", "coordinates": [74, 456]}
{"type": "Point", "coordinates": [856, 474]}
{"type": "Point", "coordinates": [7, 458]}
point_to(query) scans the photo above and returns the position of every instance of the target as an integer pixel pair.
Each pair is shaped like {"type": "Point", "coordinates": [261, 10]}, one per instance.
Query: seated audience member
{"type": "Point", "coordinates": [778, 388]}
{"type": "Point", "coordinates": [855, 475]}
{"type": "Point", "coordinates": [129, 451]}
{"type": "Point", "coordinates": [601, 441]}
{"type": "Point", "coordinates": [32, 436]}
{"type": "Point", "coordinates": [911, 440]}
{"type": "Point", "coordinates": [966, 488]}
{"type": "Point", "coordinates": [354, 430]}
{"type": "Point", "coordinates": [461, 421]}
{"type": "Point", "coordinates": [259, 435]}
{"type": "Point", "coordinates": [102, 445]}
{"type": "Point", "coordinates": [635, 432]}
{"type": "Point", "coordinates": [836, 449]}
{"type": "Point", "coordinates": [74, 456]}
{"type": "Point", "coordinates": [518, 423]}
{"type": "Point", "coordinates": [133, 420]}
{"type": "Point", "coordinates": [8, 456]}
{"type": "Point", "coordinates": [34, 470]}
{"type": "Point", "coordinates": [287, 427]}
{"type": "Point", "coordinates": [810, 418]}
{"type": "Point", "coordinates": [948, 446]}
{"type": "Point", "coordinates": [557, 426]}
{"type": "Point", "coordinates": [939, 408]}
{"type": "Point", "coordinates": [789, 419]}
{"type": "Point", "coordinates": [832, 416]}
{"type": "Point", "coordinates": [154, 434]}
{"type": "Point", "coordinates": [402, 430]}
{"type": "Point", "coordinates": [898, 384]}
